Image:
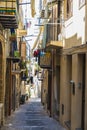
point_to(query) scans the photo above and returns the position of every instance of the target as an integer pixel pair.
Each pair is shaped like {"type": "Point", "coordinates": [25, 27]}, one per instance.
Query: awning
{"type": "Point", "coordinates": [44, 36]}
{"type": "Point", "coordinates": [33, 12]}
{"type": "Point", "coordinates": [55, 44]}
{"type": "Point", "coordinates": [36, 41]}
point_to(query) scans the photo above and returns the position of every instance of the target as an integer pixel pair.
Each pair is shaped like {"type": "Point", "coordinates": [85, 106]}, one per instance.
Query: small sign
{"type": "Point", "coordinates": [45, 61]}
{"type": "Point", "coordinates": [21, 32]}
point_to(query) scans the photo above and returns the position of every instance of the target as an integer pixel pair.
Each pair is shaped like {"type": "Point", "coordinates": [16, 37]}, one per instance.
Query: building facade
{"type": "Point", "coordinates": [9, 59]}
{"type": "Point", "coordinates": [68, 75]}
{"type": "Point", "coordinates": [52, 44]}
{"type": "Point", "coordinates": [73, 66]}
{"type": "Point", "coordinates": [2, 77]}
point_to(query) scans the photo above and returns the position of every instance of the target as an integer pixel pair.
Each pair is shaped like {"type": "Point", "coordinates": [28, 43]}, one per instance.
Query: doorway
{"type": "Point", "coordinates": [83, 56]}
{"type": "Point", "coordinates": [68, 91]}
{"type": "Point", "coordinates": [1, 75]}
{"type": "Point", "coordinates": [49, 92]}
{"type": "Point", "coordinates": [58, 90]}
{"type": "Point", "coordinates": [13, 92]}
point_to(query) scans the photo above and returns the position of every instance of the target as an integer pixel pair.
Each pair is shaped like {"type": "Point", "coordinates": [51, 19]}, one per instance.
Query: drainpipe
{"type": "Point", "coordinates": [52, 89]}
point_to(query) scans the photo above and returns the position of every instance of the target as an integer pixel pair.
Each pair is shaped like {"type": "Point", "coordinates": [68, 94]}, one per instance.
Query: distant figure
{"type": "Point", "coordinates": [31, 79]}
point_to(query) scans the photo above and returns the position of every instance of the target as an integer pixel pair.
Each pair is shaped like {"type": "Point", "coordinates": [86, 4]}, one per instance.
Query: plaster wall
{"type": "Point", "coordinates": [86, 97]}
{"type": "Point", "coordinates": [75, 25]}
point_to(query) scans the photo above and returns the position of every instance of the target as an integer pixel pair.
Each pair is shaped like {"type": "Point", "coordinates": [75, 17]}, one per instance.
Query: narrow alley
{"type": "Point", "coordinates": [43, 54]}
{"type": "Point", "coordinates": [31, 116]}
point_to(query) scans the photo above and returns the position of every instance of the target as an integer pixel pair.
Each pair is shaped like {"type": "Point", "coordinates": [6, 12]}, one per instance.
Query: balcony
{"type": "Point", "coordinates": [14, 54]}
{"type": "Point", "coordinates": [8, 21]}
{"type": "Point", "coordinates": [8, 17]}
{"type": "Point", "coordinates": [54, 44]}
{"type": "Point", "coordinates": [14, 59]}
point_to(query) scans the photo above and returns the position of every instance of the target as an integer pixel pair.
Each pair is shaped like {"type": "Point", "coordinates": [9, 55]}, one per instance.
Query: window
{"type": "Point", "coordinates": [69, 8]}
{"type": "Point", "coordinates": [81, 3]}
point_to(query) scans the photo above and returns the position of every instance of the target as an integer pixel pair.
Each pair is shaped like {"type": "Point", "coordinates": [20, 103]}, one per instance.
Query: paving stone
{"type": "Point", "coordinates": [31, 116]}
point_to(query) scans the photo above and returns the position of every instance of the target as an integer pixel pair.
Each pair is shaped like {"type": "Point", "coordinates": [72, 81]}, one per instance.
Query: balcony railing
{"type": "Point", "coordinates": [14, 52]}
{"type": "Point", "coordinates": [8, 17]}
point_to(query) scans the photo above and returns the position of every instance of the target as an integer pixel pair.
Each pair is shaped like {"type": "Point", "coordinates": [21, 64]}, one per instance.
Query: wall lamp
{"type": "Point", "coordinates": [72, 83]}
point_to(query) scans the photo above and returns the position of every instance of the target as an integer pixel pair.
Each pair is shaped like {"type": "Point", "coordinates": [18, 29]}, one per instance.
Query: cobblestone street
{"type": "Point", "coordinates": [31, 116]}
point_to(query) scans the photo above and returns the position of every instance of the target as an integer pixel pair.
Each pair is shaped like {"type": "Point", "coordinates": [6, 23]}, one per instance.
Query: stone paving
{"type": "Point", "coordinates": [31, 116]}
